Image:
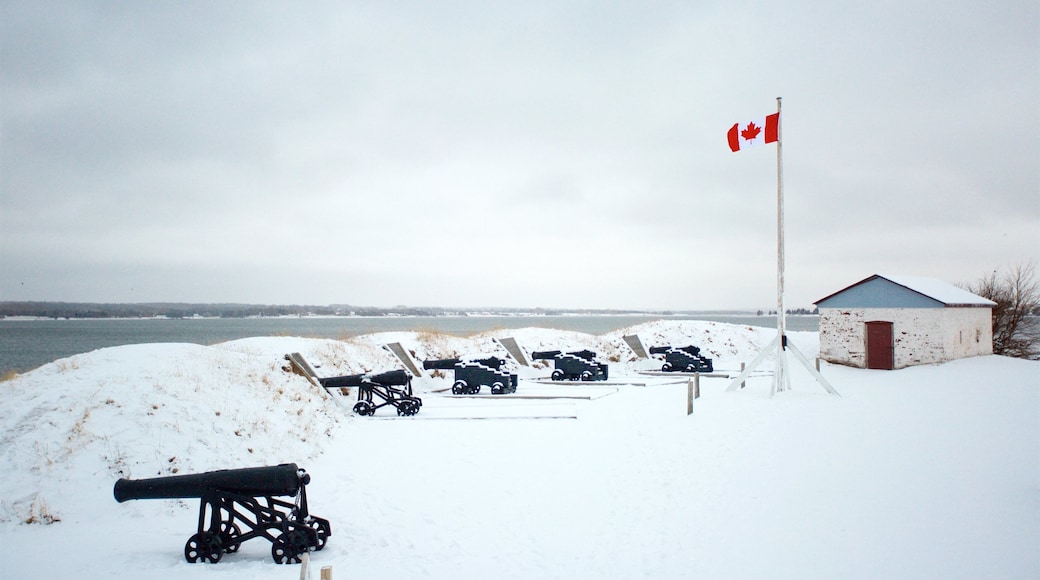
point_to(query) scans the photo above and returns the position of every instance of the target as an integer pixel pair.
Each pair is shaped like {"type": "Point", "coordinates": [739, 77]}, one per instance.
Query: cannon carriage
{"type": "Point", "coordinates": [579, 365]}
{"type": "Point", "coordinates": [392, 388]}
{"type": "Point", "coordinates": [683, 359]}
{"type": "Point", "coordinates": [237, 505]}
{"type": "Point", "coordinates": [472, 375]}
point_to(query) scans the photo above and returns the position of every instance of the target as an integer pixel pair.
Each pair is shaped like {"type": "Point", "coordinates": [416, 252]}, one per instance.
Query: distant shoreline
{"type": "Point", "coordinates": [11, 310]}
{"type": "Point", "coordinates": [683, 314]}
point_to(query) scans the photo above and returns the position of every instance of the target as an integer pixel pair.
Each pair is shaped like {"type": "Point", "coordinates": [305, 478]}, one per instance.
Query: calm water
{"type": "Point", "coordinates": [27, 344]}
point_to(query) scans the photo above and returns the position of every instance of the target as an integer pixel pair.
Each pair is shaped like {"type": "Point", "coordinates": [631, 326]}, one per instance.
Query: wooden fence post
{"type": "Point", "coordinates": [742, 372]}
{"type": "Point", "coordinates": [326, 573]}
{"type": "Point", "coordinates": [693, 391]}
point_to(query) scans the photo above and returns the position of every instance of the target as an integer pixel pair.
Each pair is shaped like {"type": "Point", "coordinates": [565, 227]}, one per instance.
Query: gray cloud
{"type": "Point", "coordinates": [360, 152]}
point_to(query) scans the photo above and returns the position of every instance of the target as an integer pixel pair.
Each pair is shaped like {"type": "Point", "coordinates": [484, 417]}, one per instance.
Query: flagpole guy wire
{"type": "Point", "coordinates": [781, 378]}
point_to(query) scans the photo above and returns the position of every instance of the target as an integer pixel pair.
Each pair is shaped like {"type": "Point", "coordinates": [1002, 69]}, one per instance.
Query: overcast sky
{"type": "Point", "coordinates": [557, 153]}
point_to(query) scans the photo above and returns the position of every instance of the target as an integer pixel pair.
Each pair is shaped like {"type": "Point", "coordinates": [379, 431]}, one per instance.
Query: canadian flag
{"type": "Point", "coordinates": [757, 132]}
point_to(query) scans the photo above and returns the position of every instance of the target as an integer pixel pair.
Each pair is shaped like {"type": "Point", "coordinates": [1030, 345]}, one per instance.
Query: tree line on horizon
{"type": "Point", "coordinates": [72, 310]}
{"type": "Point", "coordinates": [60, 310]}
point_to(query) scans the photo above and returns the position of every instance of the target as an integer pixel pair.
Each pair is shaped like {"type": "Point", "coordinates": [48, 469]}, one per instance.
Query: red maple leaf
{"type": "Point", "coordinates": [751, 132]}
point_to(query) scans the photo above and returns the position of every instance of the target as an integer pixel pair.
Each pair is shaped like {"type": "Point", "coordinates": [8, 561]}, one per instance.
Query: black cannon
{"type": "Point", "coordinates": [471, 375]}
{"type": "Point", "coordinates": [574, 366]}
{"type": "Point", "coordinates": [238, 499]}
{"type": "Point", "coordinates": [683, 359]}
{"type": "Point", "coordinates": [393, 387]}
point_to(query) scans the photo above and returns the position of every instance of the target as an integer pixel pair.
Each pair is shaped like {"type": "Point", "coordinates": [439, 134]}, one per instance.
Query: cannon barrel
{"type": "Point", "coordinates": [442, 364]}
{"type": "Point", "coordinates": [398, 378]}
{"type": "Point", "coordinates": [493, 362]}
{"type": "Point", "coordinates": [545, 354]}
{"type": "Point", "coordinates": [585, 354]}
{"type": "Point", "coordinates": [694, 350]}
{"type": "Point", "coordinates": [660, 349]}
{"type": "Point", "coordinates": [279, 480]}
{"type": "Point", "coordinates": [344, 381]}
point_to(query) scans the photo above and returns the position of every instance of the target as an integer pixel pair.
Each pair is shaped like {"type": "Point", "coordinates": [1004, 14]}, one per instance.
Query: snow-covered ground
{"type": "Point", "coordinates": [926, 472]}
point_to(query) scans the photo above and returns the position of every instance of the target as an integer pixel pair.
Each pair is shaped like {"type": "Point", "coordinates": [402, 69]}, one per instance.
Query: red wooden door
{"type": "Point", "coordinates": [880, 349]}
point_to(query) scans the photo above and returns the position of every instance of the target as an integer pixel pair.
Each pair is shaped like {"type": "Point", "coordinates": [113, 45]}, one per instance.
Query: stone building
{"type": "Point", "coordinates": [892, 322]}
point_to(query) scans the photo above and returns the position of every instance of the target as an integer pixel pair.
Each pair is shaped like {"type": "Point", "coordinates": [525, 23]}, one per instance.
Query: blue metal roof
{"type": "Point", "coordinates": [901, 292]}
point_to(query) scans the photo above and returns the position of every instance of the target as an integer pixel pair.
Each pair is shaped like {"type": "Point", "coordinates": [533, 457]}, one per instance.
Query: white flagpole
{"type": "Point", "coordinates": [781, 376]}
{"type": "Point", "coordinates": [781, 382]}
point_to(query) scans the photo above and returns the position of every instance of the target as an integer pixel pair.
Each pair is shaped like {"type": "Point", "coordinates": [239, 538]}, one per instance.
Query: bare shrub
{"type": "Point", "coordinates": [1017, 296]}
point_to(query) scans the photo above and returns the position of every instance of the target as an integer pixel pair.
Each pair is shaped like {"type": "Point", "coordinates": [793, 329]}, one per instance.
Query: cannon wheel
{"type": "Point", "coordinates": [322, 531]}
{"type": "Point", "coordinates": [586, 375]}
{"type": "Point", "coordinates": [292, 543]}
{"type": "Point", "coordinates": [204, 546]}
{"type": "Point", "coordinates": [459, 388]}
{"type": "Point", "coordinates": [557, 375]}
{"type": "Point", "coordinates": [496, 389]}
{"type": "Point", "coordinates": [229, 533]}
{"type": "Point", "coordinates": [407, 408]}
{"type": "Point", "coordinates": [363, 408]}
{"type": "Point", "coordinates": [667, 367]}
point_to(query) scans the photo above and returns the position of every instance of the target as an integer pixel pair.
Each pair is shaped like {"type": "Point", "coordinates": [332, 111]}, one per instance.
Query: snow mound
{"type": "Point", "coordinates": [153, 410]}
{"type": "Point", "coordinates": [149, 410]}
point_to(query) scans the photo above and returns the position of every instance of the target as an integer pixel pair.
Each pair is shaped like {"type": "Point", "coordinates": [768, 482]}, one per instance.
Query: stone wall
{"type": "Point", "coordinates": [968, 332]}
{"type": "Point", "coordinates": [921, 335]}
{"type": "Point", "coordinates": [842, 336]}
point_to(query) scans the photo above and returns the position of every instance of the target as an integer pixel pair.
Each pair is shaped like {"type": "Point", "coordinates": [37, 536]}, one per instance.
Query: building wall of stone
{"type": "Point", "coordinates": [968, 332]}
{"type": "Point", "coordinates": [920, 335]}
{"type": "Point", "coordinates": [842, 338]}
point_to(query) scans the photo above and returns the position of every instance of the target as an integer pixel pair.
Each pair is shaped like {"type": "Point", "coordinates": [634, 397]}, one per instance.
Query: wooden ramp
{"type": "Point", "coordinates": [633, 342]}
{"type": "Point", "coordinates": [542, 393]}
{"type": "Point", "coordinates": [302, 367]}
{"type": "Point", "coordinates": [685, 374]}
{"type": "Point", "coordinates": [511, 346]}
{"type": "Point", "coordinates": [589, 383]}
{"type": "Point", "coordinates": [405, 358]}
{"type": "Point", "coordinates": [451, 408]}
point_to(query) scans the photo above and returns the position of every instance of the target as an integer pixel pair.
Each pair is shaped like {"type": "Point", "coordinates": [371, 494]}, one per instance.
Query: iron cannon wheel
{"type": "Point", "coordinates": [557, 375]}
{"type": "Point", "coordinates": [363, 408]}
{"type": "Point", "coordinates": [204, 546]}
{"type": "Point", "coordinates": [667, 367]}
{"type": "Point", "coordinates": [459, 388]}
{"type": "Point", "coordinates": [586, 375]}
{"type": "Point", "coordinates": [292, 543]}
{"type": "Point", "coordinates": [229, 533]}
{"type": "Point", "coordinates": [407, 408]}
{"type": "Point", "coordinates": [496, 389]}
{"type": "Point", "coordinates": [322, 531]}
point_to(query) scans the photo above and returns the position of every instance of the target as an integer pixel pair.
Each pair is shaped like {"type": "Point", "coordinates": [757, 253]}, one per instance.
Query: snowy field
{"type": "Point", "coordinates": [926, 472]}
